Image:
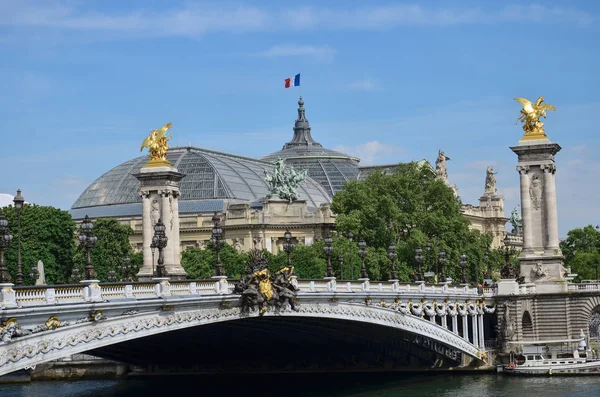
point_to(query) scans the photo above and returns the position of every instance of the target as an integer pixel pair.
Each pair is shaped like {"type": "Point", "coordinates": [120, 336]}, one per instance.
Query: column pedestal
{"type": "Point", "coordinates": [159, 188]}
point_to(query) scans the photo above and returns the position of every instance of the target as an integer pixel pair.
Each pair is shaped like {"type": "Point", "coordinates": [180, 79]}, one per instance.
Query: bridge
{"type": "Point", "coordinates": [114, 320]}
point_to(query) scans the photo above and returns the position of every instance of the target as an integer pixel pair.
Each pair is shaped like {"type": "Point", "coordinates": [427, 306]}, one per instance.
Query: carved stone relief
{"type": "Point", "coordinates": [535, 191]}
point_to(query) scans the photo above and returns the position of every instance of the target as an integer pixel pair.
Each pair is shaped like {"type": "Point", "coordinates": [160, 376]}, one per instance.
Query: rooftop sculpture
{"type": "Point", "coordinates": [516, 221]}
{"type": "Point", "coordinates": [285, 184]}
{"type": "Point", "coordinates": [530, 117]}
{"type": "Point", "coordinates": [157, 144]}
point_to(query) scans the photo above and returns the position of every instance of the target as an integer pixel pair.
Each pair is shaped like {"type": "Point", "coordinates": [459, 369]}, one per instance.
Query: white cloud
{"type": "Point", "coordinates": [195, 20]}
{"type": "Point", "coordinates": [321, 53]}
{"type": "Point", "coordinates": [372, 152]}
{"type": "Point", "coordinates": [367, 84]}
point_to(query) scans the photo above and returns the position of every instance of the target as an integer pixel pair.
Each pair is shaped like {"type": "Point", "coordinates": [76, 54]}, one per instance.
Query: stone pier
{"type": "Point", "coordinates": [159, 189]}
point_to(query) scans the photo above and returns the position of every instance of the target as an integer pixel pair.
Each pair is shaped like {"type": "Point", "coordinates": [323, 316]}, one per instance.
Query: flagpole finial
{"type": "Point", "coordinates": [300, 102]}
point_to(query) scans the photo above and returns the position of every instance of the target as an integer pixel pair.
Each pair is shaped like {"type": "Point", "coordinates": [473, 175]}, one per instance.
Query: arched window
{"type": "Point", "coordinates": [594, 323]}
{"type": "Point", "coordinates": [527, 325]}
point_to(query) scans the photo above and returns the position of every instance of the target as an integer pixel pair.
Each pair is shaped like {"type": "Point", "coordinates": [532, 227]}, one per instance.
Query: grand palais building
{"type": "Point", "coordinates": [234, 186]}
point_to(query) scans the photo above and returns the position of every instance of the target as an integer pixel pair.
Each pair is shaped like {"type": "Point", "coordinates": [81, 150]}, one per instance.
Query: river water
{"type": "Point", "coordinates": [330, 385]}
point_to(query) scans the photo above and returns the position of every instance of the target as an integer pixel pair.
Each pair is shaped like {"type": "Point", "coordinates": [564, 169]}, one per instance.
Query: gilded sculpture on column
{"type": "Point", "coordinates": [530, 117]}
{"type": "Point", "coordinates": [157, 143]}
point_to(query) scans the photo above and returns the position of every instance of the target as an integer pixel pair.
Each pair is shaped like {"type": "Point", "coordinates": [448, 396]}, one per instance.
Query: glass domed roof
{"type": "Point", "coordinates": [210, 178]}
{"type": "Point", "coordinates": [329, 168]}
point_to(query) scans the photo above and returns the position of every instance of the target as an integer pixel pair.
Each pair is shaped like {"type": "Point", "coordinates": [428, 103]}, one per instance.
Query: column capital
{"type": "Point", "coordinates": [144, 194]}
{"type": "Point", "coordinates": [548, 168]}
{"type": "Point", "coordinates": [175, 193]}
{"type": "Point", "coordinates": [522, 169]}
{"type": "Point", "coordinates": [165, 192]}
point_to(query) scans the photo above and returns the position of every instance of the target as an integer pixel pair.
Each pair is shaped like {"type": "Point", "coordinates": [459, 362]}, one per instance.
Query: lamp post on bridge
{"type": "Point", "coordinates": [350, 238]}
{"type": "Point", "coordinates": [88, 240]}
{"type": "Point", "coordinates": [216, 240]}
{"type": "Point", "coordinates": [341, 261]}
{"type": "Point", "coordinates": [463, 266]}
{"type": "Point", "coordinates": [126, 269]}
{"type": "Point", "coordinates": [160, 241]}
{"type": "Point", "coordinates": [5, 238]}
{"type": "Point", "coordinates": [507, 271]}
{"type": "Point", "coordinates": [328, 249]}
{"type": "Point", "coordinates": [112, 276]}
{"type": "Point", "coordinates": [18, 201]}
{"type": "Point", "coordinates": [392, 254]}
{"type": "Point", "coordinates": [34, 273]}
{"type": "Point", "coordinates": [288, 246]}
{"type": "Point", "coordinates": [362, 252]}
{"type": "Point", "coordinates": [419, 260]}
{"type": "Point", "coordinates": [442, 265]}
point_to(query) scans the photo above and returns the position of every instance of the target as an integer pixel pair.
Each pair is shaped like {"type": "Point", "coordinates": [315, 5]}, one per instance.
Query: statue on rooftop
{"type": "Point", "coordinates": [530, 117]}
{"type": "Point", "coordinates": [440, 167]}
{"type": "Point", "coordinates": [284, 184]}
{"type": "Point", "coordinates": [490, 181]}
{"type": "Point", "coordinates": [157, 144]}
{"type": "Point", "coordinates": [516, 221]}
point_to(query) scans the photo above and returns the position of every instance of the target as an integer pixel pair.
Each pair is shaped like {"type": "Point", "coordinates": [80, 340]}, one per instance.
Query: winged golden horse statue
{"type": "Point", "coordinates": [530, 117]}
{"type": "Point", "coordinates": [157, 144]}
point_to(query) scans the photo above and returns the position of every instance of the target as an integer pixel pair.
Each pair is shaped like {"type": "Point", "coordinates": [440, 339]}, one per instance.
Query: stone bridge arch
{"type": "Point", "coordinates": [33, 349]}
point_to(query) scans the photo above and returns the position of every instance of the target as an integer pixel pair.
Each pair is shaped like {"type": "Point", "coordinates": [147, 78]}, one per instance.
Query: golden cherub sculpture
{"type": "Point", "coordinates": [530, 117]}
{"type": "Point", "coordinates": [157, 144]}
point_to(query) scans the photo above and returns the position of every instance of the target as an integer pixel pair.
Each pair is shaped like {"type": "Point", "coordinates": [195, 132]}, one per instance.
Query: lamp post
{"type": "Point", "coordinates": [350, 238]}
{"type": "Point", "coordinates": [341, 260]}
{"type": "Point", "coordinates": [392, 254]}
{"type": "Point", "coordinates": [507, 271]}
{"type": "Point", "coordinates": [112, 277]}
{"type": "Point", "coordinates": [328, 249]}
{"type": "Point", "coordinates": [88, 240]}
{"type": "Point", "coordinates": [5, 238]}
{"type": "Point", "coordinates": [75, 275]}
{"type": "Point", "coordinates": [442, 264]}
{"type": "Point", "coordinates": [288, 246]}
{"type": "Point", "coordinates": [18, 202]}
{"type": "Point", "coordinates": [419, 260]}
{"type": "Point", "coordinates": [216, 241]}
{"type": "Point", "coordinates": [152, 248]}
{"type": "Point", "coordinates": [126, 269]}
{"type": "Point", "coordinates": [427, 256]}
{"type": "Point", "coordinates": [34, 274]}
{"type": "Point", "coordinates": [362, 252]}
{"type": "Point", "coordinates": [463, 266]}
{"type": "Point", "coordinates": [160, 241]}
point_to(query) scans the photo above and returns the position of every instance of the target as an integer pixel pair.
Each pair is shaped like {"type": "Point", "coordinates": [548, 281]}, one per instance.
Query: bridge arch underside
{"type": "Point", "coordinates": [282, 344]}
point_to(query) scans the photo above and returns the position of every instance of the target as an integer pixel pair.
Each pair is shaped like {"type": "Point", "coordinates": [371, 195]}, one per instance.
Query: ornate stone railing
{"type": "Point", "coordinates": [579, 287]}
{"type": "Point", "coordinates": [11, 297]}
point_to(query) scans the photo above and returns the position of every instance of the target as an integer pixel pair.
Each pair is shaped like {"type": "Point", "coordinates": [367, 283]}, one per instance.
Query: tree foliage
{"type": "Point", "coordinates": [46, 235]}
{"type": "Point", "coordinates": [581, 249]}
{"type": "Point", "coordinates": [409, 207]}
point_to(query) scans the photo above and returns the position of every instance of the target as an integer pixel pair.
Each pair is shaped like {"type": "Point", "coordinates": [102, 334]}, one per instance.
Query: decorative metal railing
{"type": "Point", "coordinates": [11, 297]}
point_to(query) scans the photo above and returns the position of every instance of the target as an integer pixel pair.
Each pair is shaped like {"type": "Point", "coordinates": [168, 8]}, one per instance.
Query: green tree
{"type": "Point", "coordinates": [581, 249]}
{"type": "Point", "coordinates": [46, 235]}
{"type": "Point", "coordinates": [409, 207]}
{"type": "Point", "coordinates": [199, 263]}
{"type": "Point", "coordinates": [110, 250]}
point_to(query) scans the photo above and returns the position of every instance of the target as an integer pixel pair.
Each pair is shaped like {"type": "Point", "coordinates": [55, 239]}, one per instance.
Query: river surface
{"type": "Point", "coordinates": [331, 385]}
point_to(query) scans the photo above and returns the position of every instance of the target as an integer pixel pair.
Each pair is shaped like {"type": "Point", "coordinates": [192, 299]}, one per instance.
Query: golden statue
{"type": "Point", "coordinates": [530, 117]}
{"type": "Point", "coordinates": [157, 144]}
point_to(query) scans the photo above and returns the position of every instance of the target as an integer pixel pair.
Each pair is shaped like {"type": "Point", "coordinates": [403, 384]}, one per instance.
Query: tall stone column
{"type": "Point", "coordinates": [147, 232]}
{"type": "Point", "coordinates": [481, 331]}
{"type": "Point", "coordinates": [525, 208]}
{"type": "Point", "coordinates": [541, 261]}
{"type": "Point", "coordinates": [161, 183]}
{"type": "Point", "coordinates": [474, 326]}
{"type": "Point", "coordinates": [455, 324]}
{"type": "Point", "coordinates": [465, 323]}
{"type": "Point", "coordinates": [551, 211]}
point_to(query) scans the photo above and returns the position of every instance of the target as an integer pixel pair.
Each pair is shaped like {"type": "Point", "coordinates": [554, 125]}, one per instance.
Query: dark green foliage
{"type": "Point", "coordinates": [199, 263]}
{"type": "Point", "coordinates": [581, 249]}
{"type": "Point", "coordinates": [46, 235]}
{"type": "Point", "coordinates": [410, 208]}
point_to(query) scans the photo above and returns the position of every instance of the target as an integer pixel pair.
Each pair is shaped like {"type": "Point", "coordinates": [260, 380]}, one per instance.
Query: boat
{"type": "Point", "coordinates": [552, 357]}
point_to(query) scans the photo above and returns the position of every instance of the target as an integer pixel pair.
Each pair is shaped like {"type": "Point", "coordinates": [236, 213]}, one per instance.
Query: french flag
{"type": "Point", "coordinates": [293, 81]}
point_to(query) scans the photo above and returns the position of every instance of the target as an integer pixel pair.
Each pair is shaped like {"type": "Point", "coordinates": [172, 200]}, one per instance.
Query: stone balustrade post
{"type": "Point", "coordinates": [8, 296]}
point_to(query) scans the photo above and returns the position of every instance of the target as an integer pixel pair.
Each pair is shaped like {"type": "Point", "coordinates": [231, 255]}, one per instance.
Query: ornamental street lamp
{"type": "Point", "coordinates": [419, 260]}
{"type": "Point", "coordinates": [442, 264]}
{"type": "Point", "coordinates": [328, 249]}
{"type": "Point", "coordinates": [288, 246]}
{"type": "Point", "coordinates": [75, 275]}
{"type": "Point", "coordinates": [350, 238]}
{"type": "Point", "coordinates": [112, 276]}
{"type": "Point", "coordinates": [217, 242]}
{"type": "Point", "coordinates": [152, 248]}
{"type": "Point", "coordinates": [428, 256]}
{"type": "Point", "coordinates": [160, 241]}
{"type": "Point", "coordinates": [507, 271]}
{"type": "Point", "coordinates": [362, 252]}
{"type": "Point", "coordinates": [463, 266]}
{"type": "Point", "coordinates": [126, 269]}
{"type": "Point", "coordinates": [18, 202]}
{"type": "Point", "coordinates": [34, 274]}
{"type": "Point", "coordinates": [393, 255]}
{"type": "Point", "coordinates": [341, 261]}
{"type": "Point", "coordinates": [88, 240]}
{"type": "Point", "coordinates": [5, 238]}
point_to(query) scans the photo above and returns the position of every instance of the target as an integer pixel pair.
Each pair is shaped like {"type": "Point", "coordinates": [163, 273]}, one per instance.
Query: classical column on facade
{"type": "Point", "coordinates": [541, 261]}
{"type": "Point", "coordinates": [146, 270]}
{"type": "Point", "coordinates": [465, 325]}
{"type": "Point", "coordinates": [158, 186]}
{"type": "Point", "coordinates": [481, 331]}
{"type": "Point", "coordinates": [551, 211]}
{"type": "Point", "coordinates": [523, 171]}
{"type": "Point", "coordinates": [475, 328]}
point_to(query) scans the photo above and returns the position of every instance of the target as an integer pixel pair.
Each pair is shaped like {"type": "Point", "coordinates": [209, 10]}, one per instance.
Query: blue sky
{"type": "Point", "coordinates": [83, 82]}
